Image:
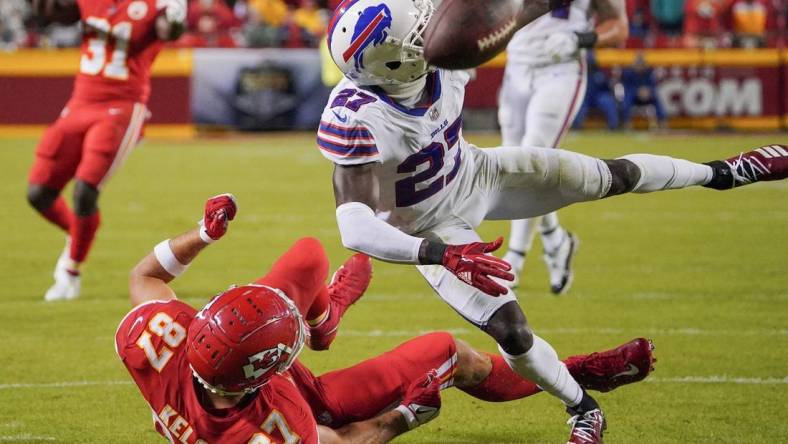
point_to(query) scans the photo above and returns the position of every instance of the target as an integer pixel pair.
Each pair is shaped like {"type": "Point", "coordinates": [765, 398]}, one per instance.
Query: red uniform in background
{"type": "Point", "coordinates": [103, 120]}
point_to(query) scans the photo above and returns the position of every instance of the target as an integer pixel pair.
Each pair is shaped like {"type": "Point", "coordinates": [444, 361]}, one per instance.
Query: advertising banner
{"type": "Point", "coordinates": [257, 89]}
{"type": "Point", "coordinates": [724, 88]}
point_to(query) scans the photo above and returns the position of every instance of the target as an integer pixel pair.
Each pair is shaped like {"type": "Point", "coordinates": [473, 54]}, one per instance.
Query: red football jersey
{"type": "Point", "coordinates": [151, 342]}
{"type": "Point", "coordinates": [119, 44]}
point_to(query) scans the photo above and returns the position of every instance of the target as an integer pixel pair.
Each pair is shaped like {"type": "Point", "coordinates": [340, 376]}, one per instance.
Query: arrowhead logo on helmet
{"type": "Point", "coordinates": [372, 28]}
{"type": "Point", "coordinates": [260, 363]}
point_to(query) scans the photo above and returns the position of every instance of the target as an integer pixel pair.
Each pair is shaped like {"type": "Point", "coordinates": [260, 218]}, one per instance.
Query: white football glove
{"type": "Point", "coordinates": [174, 10]}
{"type": "Point", "coordinates": [561, 46]}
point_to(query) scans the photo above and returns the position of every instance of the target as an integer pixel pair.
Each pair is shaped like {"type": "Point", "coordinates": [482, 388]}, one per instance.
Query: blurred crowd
{"type": "Point", "coordinates": [706, 23]}
{"type": "Point", "coordinates": [302, 23]}
{"type": "Point", "coordinates": [211, 24]}
{"type": "Point", "coordinates": [620, 94]}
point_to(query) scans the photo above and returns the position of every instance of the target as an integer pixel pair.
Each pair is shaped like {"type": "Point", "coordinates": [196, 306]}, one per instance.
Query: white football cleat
{"type": "Point", "coordinates": [559, 264]}
{"type": "Point", "coordinates": [517, 261]}
{"type": "Point", "coordinates": [67, 285]}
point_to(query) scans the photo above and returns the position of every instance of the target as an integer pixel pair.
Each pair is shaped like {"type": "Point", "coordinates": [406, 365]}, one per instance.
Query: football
{"type": "Point", "coordinates": [463, 34]}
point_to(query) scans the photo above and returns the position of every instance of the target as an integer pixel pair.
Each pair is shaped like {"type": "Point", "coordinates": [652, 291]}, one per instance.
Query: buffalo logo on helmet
{"type": "Point", "coordinates": [371, 29]}
{"type": "Point", "coordinates": [260, 363]}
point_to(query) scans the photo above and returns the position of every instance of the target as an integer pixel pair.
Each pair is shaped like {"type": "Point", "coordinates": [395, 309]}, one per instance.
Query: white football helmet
{"type": "Point", "coordinates": [380, 42]}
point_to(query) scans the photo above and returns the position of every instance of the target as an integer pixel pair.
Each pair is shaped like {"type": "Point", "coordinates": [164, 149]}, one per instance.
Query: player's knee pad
{"type": "Point", "coordinates": [41, 197]}
{"type": "Point", "coordinates": [85, 198]}
{"type": "Point", "coordinates": [625, 175]}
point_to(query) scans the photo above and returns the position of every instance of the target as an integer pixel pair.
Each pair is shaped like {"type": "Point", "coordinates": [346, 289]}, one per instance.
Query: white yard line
{"type": "Point", "coordinates": [719, 379]}
{"type": "Point", "coordinates": [62, 384]}
{"type": "Point", "coordinates": [712, 379]}
{"type": "Point", "coordinates": [25, 437]}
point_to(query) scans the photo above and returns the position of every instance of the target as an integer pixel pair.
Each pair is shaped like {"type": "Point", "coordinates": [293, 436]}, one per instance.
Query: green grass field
{"type": "Point", "coordinates": [701, 272]}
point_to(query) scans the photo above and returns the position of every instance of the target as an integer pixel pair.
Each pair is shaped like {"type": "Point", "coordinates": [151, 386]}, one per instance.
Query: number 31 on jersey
{"type": "Point", "coordinates": [94, 61]}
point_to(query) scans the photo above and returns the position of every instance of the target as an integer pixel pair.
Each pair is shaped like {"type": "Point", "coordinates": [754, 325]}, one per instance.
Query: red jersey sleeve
{"type": "Point", "coordinates": [151, 341]}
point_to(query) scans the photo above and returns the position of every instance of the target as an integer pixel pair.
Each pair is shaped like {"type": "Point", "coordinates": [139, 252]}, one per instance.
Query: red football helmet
{"type": "Point", "coordinates": [243, 337]}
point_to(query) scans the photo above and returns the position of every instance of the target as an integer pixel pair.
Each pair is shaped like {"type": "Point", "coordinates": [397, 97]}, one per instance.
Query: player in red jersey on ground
{"type": "Point", "coordinates": [103, 120]}
{"type": "Point", "coordinates": [228, 373]}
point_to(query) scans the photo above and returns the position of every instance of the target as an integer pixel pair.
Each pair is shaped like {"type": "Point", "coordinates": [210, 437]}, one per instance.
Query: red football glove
{"type": "Point", "coordinates": [422, 401]}
{"type": "Point", "coordinates": [219, 210]}
{"type": "Point", "coordinates": [472, 265]}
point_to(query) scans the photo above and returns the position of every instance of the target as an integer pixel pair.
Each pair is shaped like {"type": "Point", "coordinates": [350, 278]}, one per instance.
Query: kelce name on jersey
{"type": "Point", "coordinates": [170, 419]}
{"type": "Point", "coordinates": [178, 426]}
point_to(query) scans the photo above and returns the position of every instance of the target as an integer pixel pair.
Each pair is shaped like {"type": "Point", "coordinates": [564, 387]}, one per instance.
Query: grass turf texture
{"type": "Point", "coordinates": [699, 271]}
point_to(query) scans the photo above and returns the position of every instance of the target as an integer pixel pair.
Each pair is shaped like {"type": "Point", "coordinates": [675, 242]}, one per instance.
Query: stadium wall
{"type": "Point", "coordinates": [35, 84]}
{"type": "Point", "coordinates": [743, 89]}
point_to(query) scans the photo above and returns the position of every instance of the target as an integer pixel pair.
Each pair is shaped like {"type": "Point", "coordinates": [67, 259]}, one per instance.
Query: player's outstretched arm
{"type": "Point", "coordinates": [172, 21]}
{"type": "Point", "coordinates": [356, 194]}
{"type": "Point", "coordinates": [421, 404]}
{"type": "Point", "coordinates": [149, 278]}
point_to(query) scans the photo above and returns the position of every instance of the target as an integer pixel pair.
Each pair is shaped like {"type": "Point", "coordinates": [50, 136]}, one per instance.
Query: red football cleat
{"type": "Point", "coordinates": [608, 370]}
{"type": "Point", "coordinates": [769, 162]}
{"type": "Point", "coordinates": [587, 428]}
{"type": "Point", "coordinates": [347, 286]}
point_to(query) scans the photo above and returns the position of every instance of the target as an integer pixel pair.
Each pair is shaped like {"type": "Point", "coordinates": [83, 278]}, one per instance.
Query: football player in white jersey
{"type": "Point", "coordinates": [409, 189]}
{"type": "Point", "coordinates": [543, 88]}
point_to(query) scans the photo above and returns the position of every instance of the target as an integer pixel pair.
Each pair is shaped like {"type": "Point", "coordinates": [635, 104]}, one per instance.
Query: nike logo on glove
{"type": "Point", "coordinates": [633, 370]}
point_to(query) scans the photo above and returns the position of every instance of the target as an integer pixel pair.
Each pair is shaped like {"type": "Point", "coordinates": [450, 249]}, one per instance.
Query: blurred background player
{"type": "Point", "coordinates": [542, 91]}
{"type": "Point", "coordinates": [103, 120]}
{"type": "Point", "coordinates": [229, 372]}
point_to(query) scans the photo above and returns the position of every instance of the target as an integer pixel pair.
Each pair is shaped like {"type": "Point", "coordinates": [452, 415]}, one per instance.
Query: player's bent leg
{"type": "Point", "coordinates": [383, 380]}
{"type": "Point", "coordinates": [301, 272]}
{"type": "Point", "coordinates": [87, 219]}
{"type": "Point", "coordinates": [48, 202]}
{"type": "Point", "coordinates": [533, 358]}
{"type": "Point", "coordinates": [551, 110]}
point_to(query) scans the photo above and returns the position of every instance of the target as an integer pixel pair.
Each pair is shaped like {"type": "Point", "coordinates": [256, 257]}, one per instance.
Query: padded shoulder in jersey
{"type": "Point", "coordinates": [463, 76]}
{"type": "Point", "coordinates": [343, 137]}
{"type": "Point", "coordinates": [152, 333]}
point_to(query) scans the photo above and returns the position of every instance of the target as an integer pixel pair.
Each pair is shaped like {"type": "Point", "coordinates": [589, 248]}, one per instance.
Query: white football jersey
{"type": "Point", "coordinates": [525, 47]}
{"type": "Point", "coordinates": [426, 167]}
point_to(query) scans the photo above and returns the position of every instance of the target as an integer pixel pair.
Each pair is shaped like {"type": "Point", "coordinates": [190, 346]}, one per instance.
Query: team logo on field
{"type": "Point", "coordinates": [137, 10]}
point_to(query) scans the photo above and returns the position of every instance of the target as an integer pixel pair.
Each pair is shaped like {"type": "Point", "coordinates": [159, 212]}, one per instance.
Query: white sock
{"type": "Point", "coordinates": [666, 173]}
{"type": "Point", "coordinates": [540, 364]}
{"type": "Point", "coordinates": [552, 233]}
{"type": "Point", "coordinates": [522, 234]}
